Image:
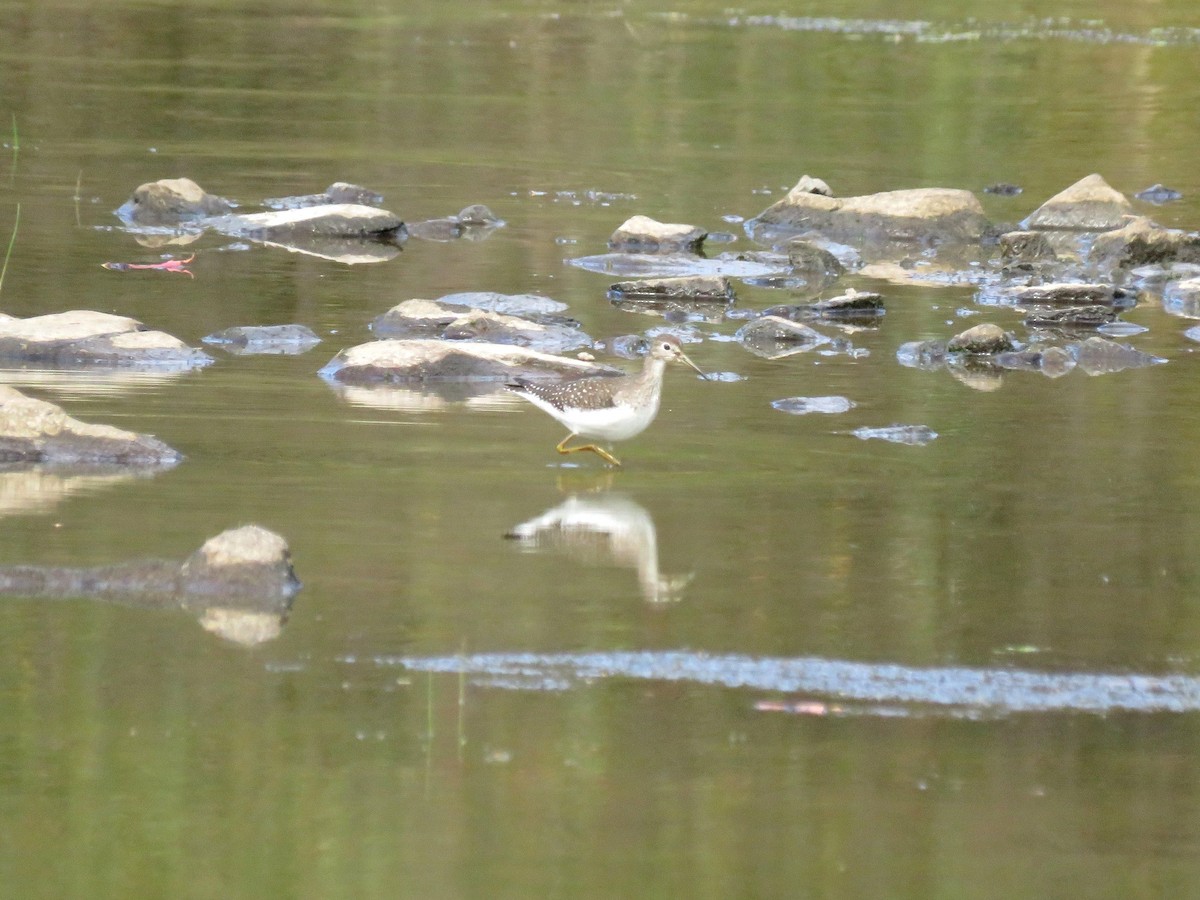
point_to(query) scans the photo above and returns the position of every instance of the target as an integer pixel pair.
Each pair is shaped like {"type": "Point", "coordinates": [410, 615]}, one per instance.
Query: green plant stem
{"type": "Point", "coordinates": [11, 241]}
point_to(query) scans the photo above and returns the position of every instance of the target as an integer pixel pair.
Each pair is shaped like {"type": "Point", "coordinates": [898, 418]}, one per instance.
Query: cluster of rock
{"type": "Point", "coordinates": [344, 222]}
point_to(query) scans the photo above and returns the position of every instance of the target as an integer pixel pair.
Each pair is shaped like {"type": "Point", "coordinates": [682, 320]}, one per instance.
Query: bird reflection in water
{"type": "Point", "coordinates": [604, 529]}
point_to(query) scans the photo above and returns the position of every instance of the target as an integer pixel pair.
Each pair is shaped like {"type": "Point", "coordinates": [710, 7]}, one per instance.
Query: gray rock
{"type": "Point", "coordinates": [35, 431]}
{"type": "Point", "coordinates": [1140, 242]}
{"type": "Point", "coordinates": [497, 328]}
{"type": "Point", "coordinates": [641, 234]}
{"type": "Point", "coordinates": [812, 259]}
{"type": "Point", "coordinates": [430, 318]}
{"type": "Point", "coordinates": [399, 361]}
{"type": "Point", "coordinates": [1158, 194]}
{"type": "Point", "coordinates": [473, 222]}
{"type": "Point", "coordinates": [1088, 205]}
{"type": "Point", "coordinates": [708, 288]}
{"type": "Point", "coordinates": [916, 215]}
{"type": "Point", "coordinates": [774, 336]}
{"type": "Point", "coordinates": [981, 340]}
{"type": "Point", "coordinates": [1092, 316]}
{"type": "Point", "coordinates": [809, 185]}
{"type": "Point", "coordinates": [1003, 189]}
{"type": "Point", "coordinates": [859, 307]}
{"type": "Point", "coordinates": [171, 201]}
{"type": "Point", "coordinates": [1053, 362]}
{"type": "Point", "coordinates": [512, 304]}
{"type": "Point", "coordinates": [249, 340]}
{"type": "Point", "coordinates": [1065, 294]}
{"type": "Point", "coordinates": [338, 192]}
{"type": "Point", "coordinates": [334, 220]}
{"type": "Point", "coordinates": [1026, 247]}
{"type": "Point", "coordinates": [86, 338]}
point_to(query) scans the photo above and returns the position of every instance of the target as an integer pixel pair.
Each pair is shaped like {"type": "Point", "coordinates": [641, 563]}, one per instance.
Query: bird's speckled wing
{"type": "Point", "coordinates": [578, 393]}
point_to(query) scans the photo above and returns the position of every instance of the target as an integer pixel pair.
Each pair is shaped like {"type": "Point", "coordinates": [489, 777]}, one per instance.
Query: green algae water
{"type": "Point", "coordinates": [763, 659]}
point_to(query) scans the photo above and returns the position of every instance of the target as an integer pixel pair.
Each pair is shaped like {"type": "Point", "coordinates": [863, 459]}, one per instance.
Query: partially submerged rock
{"type": "Point", "coordinates": [171, 201]}
{"type": "Point", "coordinates": [1066, 294]}
{"type": "Point", "coordinates": [87, 338]}
{"type": "Point", "coordinates": [1140, 242]}
{"type": "Point", "coordinates": [473, 222]}
{"type": "Point", "coordinates": [336, 220]}
{"type": "Point", "coordinates": [1088, 205]}
{"type": "Point", "coordinates": [338, 192]}
{"type": "Point", "coordinates": [398, 361]}
{"type": "Point", "coordinates": [240, 584]}
{"type": "Point", "coordinates": [981, 340]}
{"type": "Point", "coordinates": [851, 306]}
{"type": "Point", "coordinates": [1053, 362]}
{"type": "Point", "coordinates": [1026, 247]}
{"type": "Point", "coordinates": [1158, 194]}
{"type": "Point", "coordinates": [707, 288]}
{"type": "Point", "coordinates": [917, 215]}
{"type": "Point", "coordinates": [430, 318]}
{"type": "Point", "coordinates": [813, 260]}
{"type": "Point", "coordinates": [36, 431]}
{"type": "Point", "coordinates": [773, 336]}
{"type": "Point", "coordinates": [1092, 316]}
{"type": "Point", "coordinates": [247, 340]}
{"type": "Point", "coordinates": [641, 234]}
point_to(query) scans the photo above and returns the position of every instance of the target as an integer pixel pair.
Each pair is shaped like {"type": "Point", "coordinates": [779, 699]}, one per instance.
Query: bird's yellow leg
{"type": "Point", "coordinates": [599, 451]}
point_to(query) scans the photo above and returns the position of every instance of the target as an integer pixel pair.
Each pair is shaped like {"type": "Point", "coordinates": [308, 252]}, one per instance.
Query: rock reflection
{"type": "Point", "coordinates": [239, 585]}
{"type": "Point", "coordinates": [604, 529]}
{"type": "Point", "coordinates": [36, 489]}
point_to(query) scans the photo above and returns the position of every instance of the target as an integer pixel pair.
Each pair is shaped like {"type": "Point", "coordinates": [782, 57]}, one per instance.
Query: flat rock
{"type": "Point", "coordinates": [472, 222]}
{"type": "Point", "coordinates": [802, 406]}
{"type": "Point", "coordinates": [88, 338]}
{"type": "Point", "coordinates": [250, 340]}
{"type": "Point", "coordinates": [914, 215]}
{"type": "Point", "coordinates": [981, 340]}
{"type": "Point", "coordinates": [857, 305]}
{"type": "Point", "coordinates": [641, 234]}
{"type": "Point", "coordinates": [338, 192]}
{"type": "Point", "coordinates": [1088, 205]}
{"type": "Point", "coordinates": [333, 220]}
{"type": "Point", "coordinates": [171, 201]}
{"type": "Point", "coordinates": [36, 431]}
{"type": "Point", "coordinates": [512, 304]}
{"type": "Point", "coordinates": [707, 288]}
{"type": "Point", "coordinates": [1140, 242]}
{"type": "Point", "coordinates": [1092, 316]}
{"type": "Point", "coordinates": [430, 318]}
{"type": "Point", "coordinates": [398, 361]}
{"type": "Point", "coordinates": [1065, 294]}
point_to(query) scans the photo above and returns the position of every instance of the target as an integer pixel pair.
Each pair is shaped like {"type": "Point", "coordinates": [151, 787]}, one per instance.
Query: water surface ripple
{"type": "Point", "coordinates": [992, 690]}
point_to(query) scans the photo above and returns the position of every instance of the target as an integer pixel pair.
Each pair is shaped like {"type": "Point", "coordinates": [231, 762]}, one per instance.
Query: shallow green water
{"type": "Point", "coordinates": [1050, 528]}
